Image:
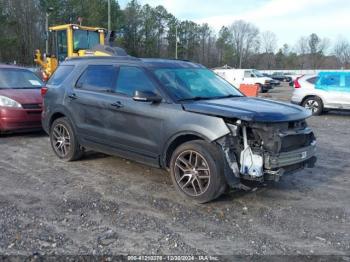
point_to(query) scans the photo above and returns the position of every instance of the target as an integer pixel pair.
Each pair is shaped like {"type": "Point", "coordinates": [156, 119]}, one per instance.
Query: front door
{"type": "Point", "coordinates": [138, 125]}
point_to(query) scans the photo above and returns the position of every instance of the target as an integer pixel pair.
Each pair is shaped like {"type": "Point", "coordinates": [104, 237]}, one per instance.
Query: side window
{"type": "Point", "coordinates": [312, 80]}
{"type": "Point", "coordinates": [330, 80]}
{"type": "Point", "coordinates": [247, 74]}
{"type": "Point", "coordinates": [97, 78]}
{"type": "Point", "coordinates": [61, 73]}
{"type": "Point", "coordinates": [131, 79]}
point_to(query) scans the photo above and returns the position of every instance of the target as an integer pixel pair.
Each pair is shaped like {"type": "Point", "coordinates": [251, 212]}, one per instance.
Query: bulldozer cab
{"type": "Point", "coordinates": [68, 41]}
{"type": "Point", "coordinates": [73, 40]}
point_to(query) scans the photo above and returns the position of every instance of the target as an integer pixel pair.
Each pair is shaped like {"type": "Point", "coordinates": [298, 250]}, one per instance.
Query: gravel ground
{"type": "Point", "coordinates": [108, 205]}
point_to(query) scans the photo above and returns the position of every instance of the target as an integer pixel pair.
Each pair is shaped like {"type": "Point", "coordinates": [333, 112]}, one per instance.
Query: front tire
{"type": "Point", "coordinates": [315, 104]}
{"type": "Point", "coordinates": [63, 140]}
{"type": "Point", "coordinates": [197, 171]}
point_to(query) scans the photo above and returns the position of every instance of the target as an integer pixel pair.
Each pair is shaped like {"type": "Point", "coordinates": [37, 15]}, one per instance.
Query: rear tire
{"type": "Point", "coordinates": [197, 171]}
{"type": "Point", "coordinates": [63, 140]}
{"type": "Point", "coordinates": [315, 104]}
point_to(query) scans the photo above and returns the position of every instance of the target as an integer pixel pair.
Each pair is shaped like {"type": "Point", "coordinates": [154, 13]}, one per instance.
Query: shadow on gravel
{"type": "Point", "coordinates": [92, 155]}
{"type": "Point", "coordinates": [31, 134]}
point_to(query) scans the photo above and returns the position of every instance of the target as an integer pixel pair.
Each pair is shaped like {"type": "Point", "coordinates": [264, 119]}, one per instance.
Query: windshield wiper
{"type": "Point", "coordinates": [195, 98]}
{"type": "Point", "coordinates": [227, 96]}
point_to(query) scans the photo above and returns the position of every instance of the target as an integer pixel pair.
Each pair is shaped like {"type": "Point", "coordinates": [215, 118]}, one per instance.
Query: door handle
{"type": "Point", "coordinates": [73, 96]}
{"type": "Point", "coordinates": [117, 104]}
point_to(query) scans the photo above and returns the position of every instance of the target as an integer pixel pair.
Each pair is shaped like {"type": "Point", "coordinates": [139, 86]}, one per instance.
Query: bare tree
{"type": "Point", "coordinates": [302, 49]}
{"type": "Point", "coordinates": [268, 42]}
{"type": "Point", "coordinates": [245, 38]}
{"type": "Point", "coordinates": [342, 51]}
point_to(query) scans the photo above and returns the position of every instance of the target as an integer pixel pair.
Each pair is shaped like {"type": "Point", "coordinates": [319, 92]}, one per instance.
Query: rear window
{"type": "Point", "coordinates": [61, 73]}
{"type": "Point", "coordinates": [12, 78]}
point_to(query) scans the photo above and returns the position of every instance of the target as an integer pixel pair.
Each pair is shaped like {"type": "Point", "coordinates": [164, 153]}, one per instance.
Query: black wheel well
{"type": "Point", "coordinates": [176, 143]}
{"type": "Point", "coordinates": [309, 96]}
{"type": "Point", "coordinates": [54, 117]}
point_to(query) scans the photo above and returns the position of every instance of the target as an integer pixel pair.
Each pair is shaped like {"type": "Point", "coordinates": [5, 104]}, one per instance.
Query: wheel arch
{"type": "Point", "coordinates": [177, 140]}
{"type": "Point", "coordinates": [311, 95]}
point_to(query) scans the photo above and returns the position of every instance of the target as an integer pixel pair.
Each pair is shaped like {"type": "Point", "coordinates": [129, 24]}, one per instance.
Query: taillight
{"type": "Point", "coordinates": [43, 91]}
{"type": "Point", "coordinates": [296, 84]}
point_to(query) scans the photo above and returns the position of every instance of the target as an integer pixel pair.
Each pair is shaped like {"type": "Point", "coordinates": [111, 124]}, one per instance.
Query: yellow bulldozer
{"type": "Point", "coordinates": [71, 40]}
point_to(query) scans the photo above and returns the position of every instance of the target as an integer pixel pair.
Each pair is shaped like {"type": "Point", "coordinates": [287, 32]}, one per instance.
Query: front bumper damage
{"type": "Point", "coordinates": [283, 148]}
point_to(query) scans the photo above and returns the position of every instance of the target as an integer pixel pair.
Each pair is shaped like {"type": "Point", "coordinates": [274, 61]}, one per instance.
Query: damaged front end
{"type": "Point", "coordinates": [266, 151]}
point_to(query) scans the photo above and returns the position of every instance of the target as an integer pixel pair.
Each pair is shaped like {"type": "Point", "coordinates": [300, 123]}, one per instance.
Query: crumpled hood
{"type": "Point", "coordinates": [249, 109]}
{"type": "Point", "coordinates": [23, 96]}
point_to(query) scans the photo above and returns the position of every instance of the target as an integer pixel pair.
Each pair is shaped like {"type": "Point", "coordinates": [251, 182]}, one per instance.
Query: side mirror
{"type": "Point", "coordinates": [146, 96]}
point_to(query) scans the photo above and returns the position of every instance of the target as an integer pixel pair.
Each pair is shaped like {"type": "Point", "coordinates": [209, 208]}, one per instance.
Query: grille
{"type": "Point", "coordinates": [294, 142]}
{"type": "Point", "coordinates": [31, 106]}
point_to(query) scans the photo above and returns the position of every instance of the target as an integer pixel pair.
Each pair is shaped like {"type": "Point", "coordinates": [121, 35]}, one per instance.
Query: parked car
{"type": "Point", "coordinates": [245, 76]}
{"type": "Point", "coordinates": [281, 77]}
{"type": "Point", "coordinates": [293, 76]}
{"type": "Point", "coordinates": [20, 99]}
{"type": "Point", "coordinates": [175, 115]}
{"type": "Point", "coordinates": [273, 82]}
{"type": "Point", "coordinates": [328, 90]}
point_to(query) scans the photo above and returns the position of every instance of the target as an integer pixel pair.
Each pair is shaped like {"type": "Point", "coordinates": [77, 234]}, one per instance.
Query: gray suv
{"type": "Point", "coordinates": [175, 115]}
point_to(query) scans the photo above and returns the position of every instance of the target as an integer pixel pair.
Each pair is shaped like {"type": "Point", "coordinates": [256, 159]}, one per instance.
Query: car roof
{"type": "Point", "coordinates": [145, 62]}
{"type": "Point", "coordinates": [2, 66]}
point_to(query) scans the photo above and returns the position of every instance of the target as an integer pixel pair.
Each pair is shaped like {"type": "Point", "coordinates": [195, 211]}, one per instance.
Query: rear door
{"type": "Point", "coordinates": [345, 85]}
{"type": "Point", "coordinates": [90, 102]}
{"type": "Point", "coordinates": [330, 85]}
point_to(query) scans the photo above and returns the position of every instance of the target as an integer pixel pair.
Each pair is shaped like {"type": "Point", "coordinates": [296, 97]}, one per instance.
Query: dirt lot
{"type": "Point", "coordinates": [108, 205]}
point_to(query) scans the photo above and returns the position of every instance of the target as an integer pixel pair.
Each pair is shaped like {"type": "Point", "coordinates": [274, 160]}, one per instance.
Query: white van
{"type": "Point", "coordinates": [245, 76]}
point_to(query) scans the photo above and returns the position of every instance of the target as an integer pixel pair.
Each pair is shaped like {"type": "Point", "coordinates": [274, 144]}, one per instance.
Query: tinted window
{"type": "Point", "coordinates": [131, 79]}
{"type": "Point", "coordinates": [330, 80]}
{"type": "Point", "coordinates": [312, 80]}
{"type": "Point", "coordinates": [97, 78]}
{"type": "Point", "coordinates": [18, 78]}
{"type": "Point", "coordinates": [61, 73]}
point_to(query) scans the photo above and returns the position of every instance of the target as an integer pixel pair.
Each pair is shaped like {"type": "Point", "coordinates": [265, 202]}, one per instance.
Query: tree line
{"type": "Point", "coordinates": [146, 31]}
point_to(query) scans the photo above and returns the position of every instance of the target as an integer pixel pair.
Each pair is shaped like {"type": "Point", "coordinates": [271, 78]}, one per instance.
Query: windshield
{"type": "Point", "coordinates": [257, 73]}
{"type": "Point", "coordinates": [85, 39]}
{"type": "Point", "coordinates": [187, 84]}
{"type": "Point", "coordinates": [18, 78]}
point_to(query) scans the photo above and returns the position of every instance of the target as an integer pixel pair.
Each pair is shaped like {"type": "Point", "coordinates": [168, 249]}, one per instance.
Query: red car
{"type": "Point", "coordinates": [20, 99]}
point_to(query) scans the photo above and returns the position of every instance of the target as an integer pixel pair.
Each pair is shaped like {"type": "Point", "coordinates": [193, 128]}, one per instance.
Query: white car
{"type": "Point", "coordinates": [328, 90]}
{"type": "Point", "coordinates": [245, 76]}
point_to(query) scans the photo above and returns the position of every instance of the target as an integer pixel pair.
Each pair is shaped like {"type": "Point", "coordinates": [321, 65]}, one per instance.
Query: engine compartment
{"type": "Point", "coordinates": [266, 151]}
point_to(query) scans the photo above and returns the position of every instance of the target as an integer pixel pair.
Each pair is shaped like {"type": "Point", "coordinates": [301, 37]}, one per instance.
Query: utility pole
{"type": "Point", "coordinates": [176, 42]}
{"type": "Point", "coordinates": [47, 33]}
{"type": "Point", "coordinates": [109, 16]}
{"type": "Point", "coordinates": [48, 11]}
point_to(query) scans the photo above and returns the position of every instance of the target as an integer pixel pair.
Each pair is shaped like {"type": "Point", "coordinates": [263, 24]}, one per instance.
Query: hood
{"type": "Point", "coordinates": [249, 109]}
{"type": "Point", "coordinates": [23, 96]}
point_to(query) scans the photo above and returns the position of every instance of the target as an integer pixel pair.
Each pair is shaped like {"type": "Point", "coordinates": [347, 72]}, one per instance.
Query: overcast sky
{"type": "Point", "coordinates": [288, 19]}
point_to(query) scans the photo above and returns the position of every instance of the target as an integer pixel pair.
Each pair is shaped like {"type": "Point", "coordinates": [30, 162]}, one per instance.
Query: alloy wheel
{"type": "Point", "coordinates": [192, 173]}
{"type": "Point", "coordinates": [312, 105]}
{"type": "Point", "coordinates": [61, 140]}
